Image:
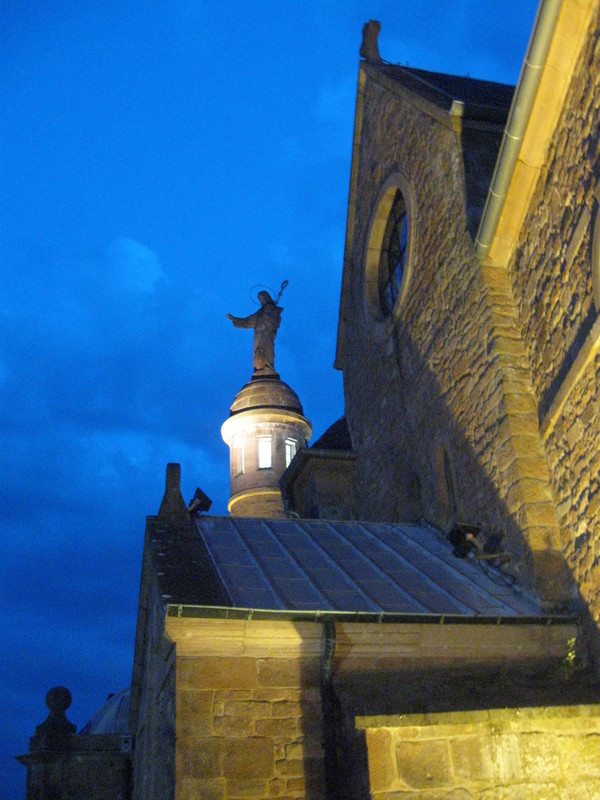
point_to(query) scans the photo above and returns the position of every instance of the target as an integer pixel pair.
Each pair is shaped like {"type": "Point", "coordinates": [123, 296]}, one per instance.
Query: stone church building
{"type": "Point", "coordinates": [409, 607]}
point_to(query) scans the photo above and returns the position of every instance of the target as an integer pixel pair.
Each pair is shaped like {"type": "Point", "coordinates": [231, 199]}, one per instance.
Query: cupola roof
{"type": "Point", "coordinates": [112, 717]}
{"type": "Point", "coordinates": [266, 392]}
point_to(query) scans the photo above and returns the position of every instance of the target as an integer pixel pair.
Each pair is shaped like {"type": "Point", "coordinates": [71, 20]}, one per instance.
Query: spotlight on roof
{"type": "Point", "coordinates": [199, 503]}
{"type": "Point", "coordinates": [463, 539]}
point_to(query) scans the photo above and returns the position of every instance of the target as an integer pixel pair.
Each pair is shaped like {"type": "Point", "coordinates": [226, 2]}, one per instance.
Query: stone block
{"type": "Point", "coordinates": [278, 728]}
{"type": "Point", "coordinates": [223, 696]}
{"type": "Point", "coordinates": [539, 756]}
{"type": "Point", "coordinates": [506, 757]}
{"type": "Point", "coordinates": [300, 750]}
{"type": "Point", "coordinates": [276, 787]}
{"type": "Point", "coordinates": [286, 768]}
{"type": "Point", "coordinates": [234, 727]}
{"type": "Point", "coordinates": [293, 673]}
{"type": "Point", "coordinates": [255, 759]}
{"type": "Point", "coordinates": [520, 403]}
{"type": "Point", "coordinates": [247, 788]}
{"type": "Point", "coordinates": [198, 758]}
{"type": "Point", "coordinates": [580, 755]}
{"type": "Point", "coordinates": [286, 709]}
{"type": "Point", "coordinates": [296, 785]}
{"type": "Point", "coordinates": [216, 673]}
{"type": "Point", "coordinates": [193, 712]}
{"type": "Point", "coordinates": [424, 764]}
{"type": "Point", "coordinates": [252, 709]}
{"type": "Point", "coordinates": [471, 758]}
{"type": "Point", "coordinates": [382, 764]}
{"type": "Point", "coordinates": [193, 789]}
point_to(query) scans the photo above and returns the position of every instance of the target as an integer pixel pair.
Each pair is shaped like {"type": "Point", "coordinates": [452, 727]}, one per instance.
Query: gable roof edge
{"type": "Point", "coordinates": [554, 47]}
{"type": "Point", "coordinates": [340, 354]}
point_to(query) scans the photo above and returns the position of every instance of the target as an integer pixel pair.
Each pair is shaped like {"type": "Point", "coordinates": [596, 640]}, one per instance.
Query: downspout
{"type": "Point", "coordinates": [329, 711]}
{"type": "Point", "coordinates": [516, 125]}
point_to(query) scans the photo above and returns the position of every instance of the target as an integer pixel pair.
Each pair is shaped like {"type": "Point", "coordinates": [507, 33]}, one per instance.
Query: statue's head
{"type": "Point", "coordinates": [264, 298]}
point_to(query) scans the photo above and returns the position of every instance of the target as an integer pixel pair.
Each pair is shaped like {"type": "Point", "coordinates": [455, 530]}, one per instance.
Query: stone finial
{"type": "Point", "coordinates": [54, 733]}
{"type": "Point", "coordinates": [58, 700]}
{"type": "Point", "coordinates": [369, 49]}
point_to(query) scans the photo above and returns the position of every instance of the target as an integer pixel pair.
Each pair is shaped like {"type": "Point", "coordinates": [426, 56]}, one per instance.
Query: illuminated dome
{"type": "Point", "coordinates": [265, 430]}
{"type": "Point", "coordinates": [266, 393]}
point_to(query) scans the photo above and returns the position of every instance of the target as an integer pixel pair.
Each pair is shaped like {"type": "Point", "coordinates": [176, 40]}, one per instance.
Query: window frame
{"type": "Point", "coordinates": [292, 446]}
{"type": "Point", "coordinates": [261, 452]}
{"type": "Point", "coordinates": [380, 318]}
{"type": "Point", "coordinates": [394, 255]}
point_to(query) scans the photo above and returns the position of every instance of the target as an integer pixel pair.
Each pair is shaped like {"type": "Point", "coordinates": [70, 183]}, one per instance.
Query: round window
{"type": "Point", "coordinates": [392, 261]}
{"type": "Point", "coordinates": [388, 255]}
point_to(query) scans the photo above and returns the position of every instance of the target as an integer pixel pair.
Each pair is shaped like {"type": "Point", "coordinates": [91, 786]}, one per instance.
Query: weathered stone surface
{"type": "Point", "coordinates": [472, 758]}
{"type": "Point", "coordinates": [580, 755]}
{"type": "Point", "coordinates": [216, 673]}
{"type": "Point", "coordinates": [199, 758]}
{"type": "Point", "coordinates": [192, 789]}
{"type": "Point", "coordinates": [247, 788]}
{"type": "Point", "coordinates": [450, 372]}
{"type": "Point", "coordinates": [288, 673]}
{"type": "Point", "coordinates": [539, 755]}
{"type": "Point", "coordinates": [424, 764]}
{"type": "Point", "coordinates": [382, 768]}
{"type": "Point", "coordinates": [500, 754]}
{"type": "Point", "coordinates": [194, 712]}
{"type": "Point", "coordinates": [551, 276]}
{"type": "Point", "coordinates": [255, 759]}
{"type": "Point", "coordinates": [277, 728]}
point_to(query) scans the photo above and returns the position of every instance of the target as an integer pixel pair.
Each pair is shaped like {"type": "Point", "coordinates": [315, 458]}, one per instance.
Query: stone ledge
{"type": "Point", "coordinates": [494, 716]}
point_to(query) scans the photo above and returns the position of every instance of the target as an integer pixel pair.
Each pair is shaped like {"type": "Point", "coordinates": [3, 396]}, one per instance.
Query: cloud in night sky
{"type": "Point", "coordinates": [160, 159]}
{"type": "Point", "coordinates": [133, 266]}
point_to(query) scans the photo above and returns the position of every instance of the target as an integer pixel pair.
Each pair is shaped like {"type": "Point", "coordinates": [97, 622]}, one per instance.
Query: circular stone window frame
{"type": "Point", "coordinates": [379, 322]}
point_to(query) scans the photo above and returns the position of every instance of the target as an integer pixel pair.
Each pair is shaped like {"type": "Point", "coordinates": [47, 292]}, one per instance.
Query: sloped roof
{"type": "Point", "coordinates": [349, 566]}
{"type": "Point", "coordinates": [336, 437]}
{"type": "Point", "coordinates": [442, 89]}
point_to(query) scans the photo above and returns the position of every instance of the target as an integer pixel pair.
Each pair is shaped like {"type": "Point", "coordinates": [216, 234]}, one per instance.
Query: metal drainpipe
{"type": "Point", "coordinates": [518, 117]}
{"type": "Point", "coordinates": [328, 709]}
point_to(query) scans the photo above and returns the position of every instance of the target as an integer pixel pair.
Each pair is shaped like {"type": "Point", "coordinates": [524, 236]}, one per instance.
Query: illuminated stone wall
{"type": "Point", "coordinates": [551, 274]}
{"type": "Point", "coordinates": [450, 377]}
{"type": "Point", "coordinates": [492, 755]}
{"type": "Point", "coordinates": [247, 727]}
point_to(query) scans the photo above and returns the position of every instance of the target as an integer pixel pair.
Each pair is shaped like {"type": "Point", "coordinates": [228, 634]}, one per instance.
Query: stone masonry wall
{"type": "Point", "coordinates": [248, 728]}
{"type": "Point", "coordinates": [551, 269]}
{"type": "Point", "coordinates": [504, 754]}
{"type": "Point", "coordinates": [551, 274]}
{"type": "Point", "coordinates": [450, 376]}
{"type": "Point", "coordinates": [154, 753]}
{"type": "Point", "coordinates": [574, 457]}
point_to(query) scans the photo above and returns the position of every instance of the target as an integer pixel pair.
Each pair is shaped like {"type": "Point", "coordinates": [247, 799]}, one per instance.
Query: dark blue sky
{"type": "Point", "coordinates": [159, 160]}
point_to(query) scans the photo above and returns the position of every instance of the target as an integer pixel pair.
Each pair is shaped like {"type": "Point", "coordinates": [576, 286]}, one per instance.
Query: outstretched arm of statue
{"type": "Point", "coordinates": [243, 322]}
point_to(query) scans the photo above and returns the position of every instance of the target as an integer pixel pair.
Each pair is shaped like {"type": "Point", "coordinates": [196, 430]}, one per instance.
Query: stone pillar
{"type": "Point", "coordinates": [49, 749]}
{"type": "Point", "coordinates": [64, 766]}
